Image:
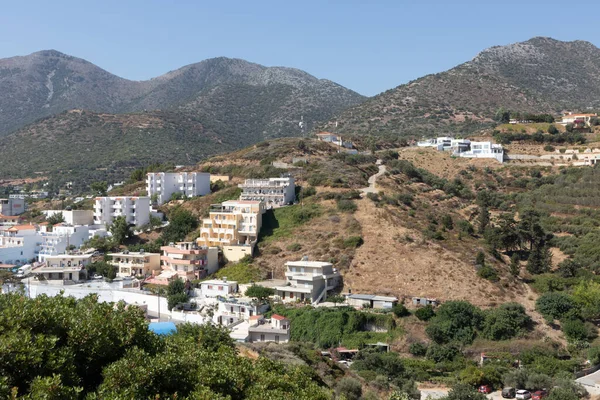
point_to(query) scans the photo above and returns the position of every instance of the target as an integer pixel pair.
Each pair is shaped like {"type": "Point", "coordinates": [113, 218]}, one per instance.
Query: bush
{"type": "Point", "coordinates": [348, 206]}
{"type": "Point", "coordinates": [294, 247]}
{"type": "Point", "coordinates": [549, 148]}
{"type": "Point", "coordinates": [425, 313]}
{"type": "Point", "coordinates": [455, 321]}
{"type": "Point", "coordinates": [400, 311]}
{"type": "Point", "coordinates": [350, 388]}
{"type": "Point", "coordinates": [442, 353]}
{"type": "Point", "coordinates": [505, 322]}
{"type": "Point", "coordinates": [576, 330]}
{"type": "Point", "coordinates": [552, 130]}
{"type": "Point", "coordinates": [488, 272]}
{"type": "Point", "coordinates": [353, 242]}
{"type": "Point", "coordinates": [418, 349]}
{"type": "Point", "coordinates": [555, 305]}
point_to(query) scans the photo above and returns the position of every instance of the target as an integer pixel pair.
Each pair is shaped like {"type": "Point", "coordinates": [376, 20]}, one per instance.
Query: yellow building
{"type": "Point", "coordinates": [233, 226]}
{"type": "Point", "coordinates": [135, 263]}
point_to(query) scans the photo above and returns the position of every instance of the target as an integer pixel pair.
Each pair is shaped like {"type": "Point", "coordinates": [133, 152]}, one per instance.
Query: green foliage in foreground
{"type": "Point", "coordinates": [62, 348]}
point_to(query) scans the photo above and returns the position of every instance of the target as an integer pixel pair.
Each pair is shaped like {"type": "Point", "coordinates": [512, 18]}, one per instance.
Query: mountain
{"type": "Point", "coordinates": [541, 75]}
{"type": "Point", "coordinates": [226, 93]}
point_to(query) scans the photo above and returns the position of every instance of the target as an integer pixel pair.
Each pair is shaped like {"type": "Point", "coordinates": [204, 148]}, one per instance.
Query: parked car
{"type": "Point", "coordinates": [539, 395]}
{"type": "Point", "coordinates": [523, 395]}
{"type": "Point", "coordinates": [508, 393]}
{"type": "Point", "coordinates": [97, 276]}
{"type": "Point", "coordinates": [485, 389]}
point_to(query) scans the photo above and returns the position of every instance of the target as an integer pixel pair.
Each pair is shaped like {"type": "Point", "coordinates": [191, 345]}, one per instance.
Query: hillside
{"type": "Point", "coordinates": [539, 75]}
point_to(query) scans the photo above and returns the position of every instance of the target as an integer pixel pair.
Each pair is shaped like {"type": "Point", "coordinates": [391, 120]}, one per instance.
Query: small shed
{"type": "Point", "coordinates": [425, 301]}
{"type": "Point", "coordinates": [371, 300]}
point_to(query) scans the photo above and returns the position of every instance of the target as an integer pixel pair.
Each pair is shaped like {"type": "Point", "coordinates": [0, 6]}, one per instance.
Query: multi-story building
{"type": "Point", "coordinates": [308, 280]}
{"type": "Point", "coordinates": [481, 150]}
{"type": "Point", "coordinates": [69, 260]}
{"type": "Point", "coordinates": [62, 236]}
{"type": "Point", "coordinates": [6, 220]}
{"type": "Point", "coordinates": [18, 244]}
{"type": "Point", "coordinates": [165, 184]}
{"type": "Point", "coordinates": [232, 310]}
{"type": "Point", "coordinates": [136, 210]}
{"type": "Point", "coordinates": [233, 226]}
{"type": "Point", "coordinates": [273, 192]}
{"type": "Point", "coordinates": [130, 263]}
{"type": "Point", "coordinates": [73, 217]}
{"type": "Point", "coordinates": [10, 207]}
{"type": "Point", "coordinates": [64, 269]}
{"type": "Point", "coordinates": [276, 329]}
{"type": "Point", "coordinates": [189, 260]}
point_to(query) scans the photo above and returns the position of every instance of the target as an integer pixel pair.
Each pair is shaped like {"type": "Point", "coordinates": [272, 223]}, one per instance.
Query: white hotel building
{"type": "Point", "coordinates": [273, 192]}
{"type": "Point", "coordinates": [136, 210]}
{"type": "Point", "coordinates": [165, 184]}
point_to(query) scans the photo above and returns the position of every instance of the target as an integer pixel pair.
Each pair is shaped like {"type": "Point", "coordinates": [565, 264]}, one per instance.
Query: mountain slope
{"type": "Point", "coordinates": [539, 75]}
{"type": "Point", "coordinates": [49, 82]}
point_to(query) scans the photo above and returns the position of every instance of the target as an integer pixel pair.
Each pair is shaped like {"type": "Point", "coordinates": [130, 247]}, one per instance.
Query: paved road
{"type": "Point", "coordinates": [373, 179]}
{"type": "Point", "coordinates": [591, 382]}
{"type": "Point", "coordinates": [439, 393]}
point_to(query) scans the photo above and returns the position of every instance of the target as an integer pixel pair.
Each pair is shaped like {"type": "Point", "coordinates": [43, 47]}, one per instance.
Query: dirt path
{"type": "Point", "coordinates": [373, 179]}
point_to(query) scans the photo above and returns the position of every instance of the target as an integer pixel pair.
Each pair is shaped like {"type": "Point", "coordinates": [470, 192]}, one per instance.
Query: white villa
{"type": "Point", "coordinates": [216, 287]}
{"type": "Point", "coordinates": [276, 329]}
{"type": "Point", "coordinates": [62, 236]}
{"type": "Point", "coordinates": [165, 184]}
{"type": "Point", "coordinates": [234, 309]}
{"type": "Point", "coordinates": [308, 280]}
{"type": "Point", "coordinates": [136, 210]}
{"type": "Point", "coordinates": [465, 148]}
{"type": "Point", "coordinates": [273, 192]}
{"type": "Point", "coordinates": [18, 244]}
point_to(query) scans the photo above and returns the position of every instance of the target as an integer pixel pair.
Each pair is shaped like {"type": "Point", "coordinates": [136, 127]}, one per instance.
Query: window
{"type": "Point", "coordinates": [276, 338]}
{"type": "Point", "coordinates": [243, 309]}
{"type": "Point", "coordinates": [262, 338]}
{"type": "Point", "coordinates": [291, 295]}
{"type": "Point", "coordinates": [210, 286]}
{"type": "Point", "coordinates": [220, 288]}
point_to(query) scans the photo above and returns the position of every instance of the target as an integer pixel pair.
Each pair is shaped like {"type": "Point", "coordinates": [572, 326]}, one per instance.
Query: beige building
{"type": "Point", "coordinates": [308, 281]}
{"type": "Point", "coordinates": [189, 260]}
{"type": "Point", "coordinates": [571, 118]}
{"type": "Point", "coordinates": [233, 226]}
{"type": "Point", "coordinates": [135, 263]}
{"type": "Point", "coordinates": [277, 329]}
{"type": "Point", "coordinates": [61, 274]}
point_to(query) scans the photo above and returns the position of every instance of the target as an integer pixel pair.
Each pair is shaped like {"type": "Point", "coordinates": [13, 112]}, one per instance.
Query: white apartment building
{"type": "Point", "coordinates": [131, 263]}
{"type": "Point", "coordinates": [18, 244]}
{"type": "Point", "coordinates": [165, 184]}
{"type": "Point", "coordinates": [73, 217]}
{"type": "Point", "coordinates": [273, 192]}
{"type": "Point", "coordinates": [276, 329]}
{"type": "Point", "coordinates": [64, 268]}
{"type": "Point", "coordinates": [62, 236]}
{"type": "Point", "coordinates": [136, 210]}
{"type": "Point", "coordinates": [11, 206]}
{"type": "Point", "coordinates": [308, 280]}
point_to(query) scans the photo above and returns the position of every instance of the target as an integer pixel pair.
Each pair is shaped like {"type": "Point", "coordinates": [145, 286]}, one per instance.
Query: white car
{"type": "Point", "coordinates": [523, 395]}
{"type": "Point", "coordinates": [97, 276]}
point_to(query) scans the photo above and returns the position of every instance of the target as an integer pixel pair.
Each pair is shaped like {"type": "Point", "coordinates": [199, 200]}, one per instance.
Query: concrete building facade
{"type": "Point", "coordinates": [164, 184]}
{"type": "Point", "coordinates": [131, 263]}
{"type": "Point", "coordinates": [273, 192]}
{"type": "Point", "coordinates": [308, 281]}
{"type": "Point", "coordinates": [12, 206]}
{"type": "Point", "coordinates": [136, 210]}
{"type": "Point", "coordinates": [189, 260]}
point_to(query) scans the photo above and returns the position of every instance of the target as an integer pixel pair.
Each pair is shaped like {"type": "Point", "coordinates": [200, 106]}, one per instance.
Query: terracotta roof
{"type": "Point", "coordinates": [256, 317]}
{"type": "Point", "coordinates": [21, 228]}
{"type": "Point", "coordinates": [9, 216]}
{"type": "Point", "coordinates": [278, 317]}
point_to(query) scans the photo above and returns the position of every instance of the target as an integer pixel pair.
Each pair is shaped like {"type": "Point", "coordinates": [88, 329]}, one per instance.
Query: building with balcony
{"type": "Point", "coordinates": [9, 220]}
{"type": "Point", "coordinates": [276, 329]}
{"type": "Point", "coordinates": [136, 210]}
{"type": "Point", "coordinates": [273, 192]}
{"type": "Point", "coordinates": [73, 217]}
{"type": "Point", "coordinates": [18, 244]}
{"type": "Point", "coordinates": [232, 226]}
{"type": "Point", "coordinates": [12, 206]}
{"type": "Point", "coordinates": [481, 150]}
{"type": "Point", "coordinates": [189, 260]}
{"type": "Point", "coordinates": [59, 239]}
{"type": "Point", "coordinates": [129, 263]}
{"type": "Point", "coordinates": [308, 281]}
{"type": "Point", "coordinates": [231, 310]}
{"type": "Point", "coordinates": [62, 272]}
{"type": "Point", "coordinates": [164, 184]}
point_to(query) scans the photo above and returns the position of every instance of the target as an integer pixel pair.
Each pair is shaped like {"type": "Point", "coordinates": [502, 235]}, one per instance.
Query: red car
{"type": "Point", "coordinates": [539, 395]}
{"type": "Point", "coordinates": [486, 389]}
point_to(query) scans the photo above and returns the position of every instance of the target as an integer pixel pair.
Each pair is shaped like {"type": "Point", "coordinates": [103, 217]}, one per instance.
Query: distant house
{"type": "Point", "coordinates": [425, 301]}
{"type": "Point", "coordinates": [371, 300]}
{"type": "Point", "coordinates": [233, 309]}
{"type": "Point", "coordinates": [273, 192]}
{"type": "Point", "coordinates": [189, 260]}
{"type": "Point", "coordinates": [335, 139]}
{"type": "Point", "coordinates": [9, 219]}
{"type": "Point", "coordinates": [308, 280]}
{"type": "Point", "coordinates": [61, 273]}
{"type": "Point", "coordinates": [216, 287]}
{"type": "Point", "coordinates": [582, 120]}
{"type": "Point", "coordinates": [129, 263]}
{"type": "Point", "coordinates": [12, 206]}
{"type": "Point", "coordinates": [164, 184]}
{"type": "Point", "coordinates": [136, 210]}
{"type": "Point", "coordinates": [276, 329]}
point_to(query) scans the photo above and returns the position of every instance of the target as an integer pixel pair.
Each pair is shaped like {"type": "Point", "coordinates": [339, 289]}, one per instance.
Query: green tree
{"type": "Point", "coordinates": [350, 388]}
{"type": "Point", "coordinates": [505, 322]}
{"type": "Point", "coordinates": [530, 229]}
{"type": "Point", "coordinates": [515, 265]}
{"type": "Point", "coordinates": [103, 268]}
{"type": "Point", "coordinates": [176, 293]}
{"type": "Point", "coordinates": [587, 296]}
{"type": "Point", "coordinates": [455, 321]}
{"type": "Point", "coordinates": [400, 310]}
{"type": "Point", "coordinates": [120, 229]}
{"type": "Point", "coordinates": [425, 313]}
{"type": "Point", "coordinates": [260, 292]}
{"type": "Point", "coordinates": [508, 232]}
{"type": "Point", "coordinates": [570, 127]}
{"type": "Point", "coordinates": [484, 219]}
{"type": "Point", "coordinates": [56, 218]}
{"type": "Point", "coordinates": [99, 188]}
{"type": "Point", "coordinates": [555, 305]}
{"type": "Point", "coordinates": [480, 258]}
{"type": "Point", "coordinates": [502, 116]}
{"type": "Point", "coordinates": [181, 222]}
{"type": "Point", "coordinates": [540, 260]}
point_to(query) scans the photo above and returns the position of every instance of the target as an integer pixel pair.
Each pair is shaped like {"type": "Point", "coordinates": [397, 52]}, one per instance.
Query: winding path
{"type": "Point", "coordinates": [373, 179]}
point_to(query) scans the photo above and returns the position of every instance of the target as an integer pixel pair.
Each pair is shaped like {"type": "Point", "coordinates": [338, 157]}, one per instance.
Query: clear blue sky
{"type": "Point", "coordinates": [367, 46]}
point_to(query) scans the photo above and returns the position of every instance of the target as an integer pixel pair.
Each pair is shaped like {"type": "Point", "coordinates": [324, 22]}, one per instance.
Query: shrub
{"type": "Point", "coordinates": [455, 321]}
{"type": "Point", "coordinates": [350, 388]}
{"type": "Point", "coordinates": [348, 206]}
{"type": "Point", "coordinates": [440, 352]}
{"type": "Point", "coordinates": [505, 322]}
{"type": "Point", "coordinates": [294, 247]}
{"type": "Point", "coordinates": [400, 311]}
{"type": "Point", "coordinates": [549, 148]}
{"type": "Point", "coordinates": [353, 242]}
{"type": "Point", "coordinates": [553, 305]}
{"type": "Point", "coordinates": [576, 330]}
{"type": "Point", "coordinates": [425, 313]}
{"type": "Point", "coordinates": [488, 272]}
{"type": "Point", "coordinates": [418, 349]}
{"type": "Point", "coordinates": [465, 227]}
{"type": "Point", "coordinates": [552, 130]}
